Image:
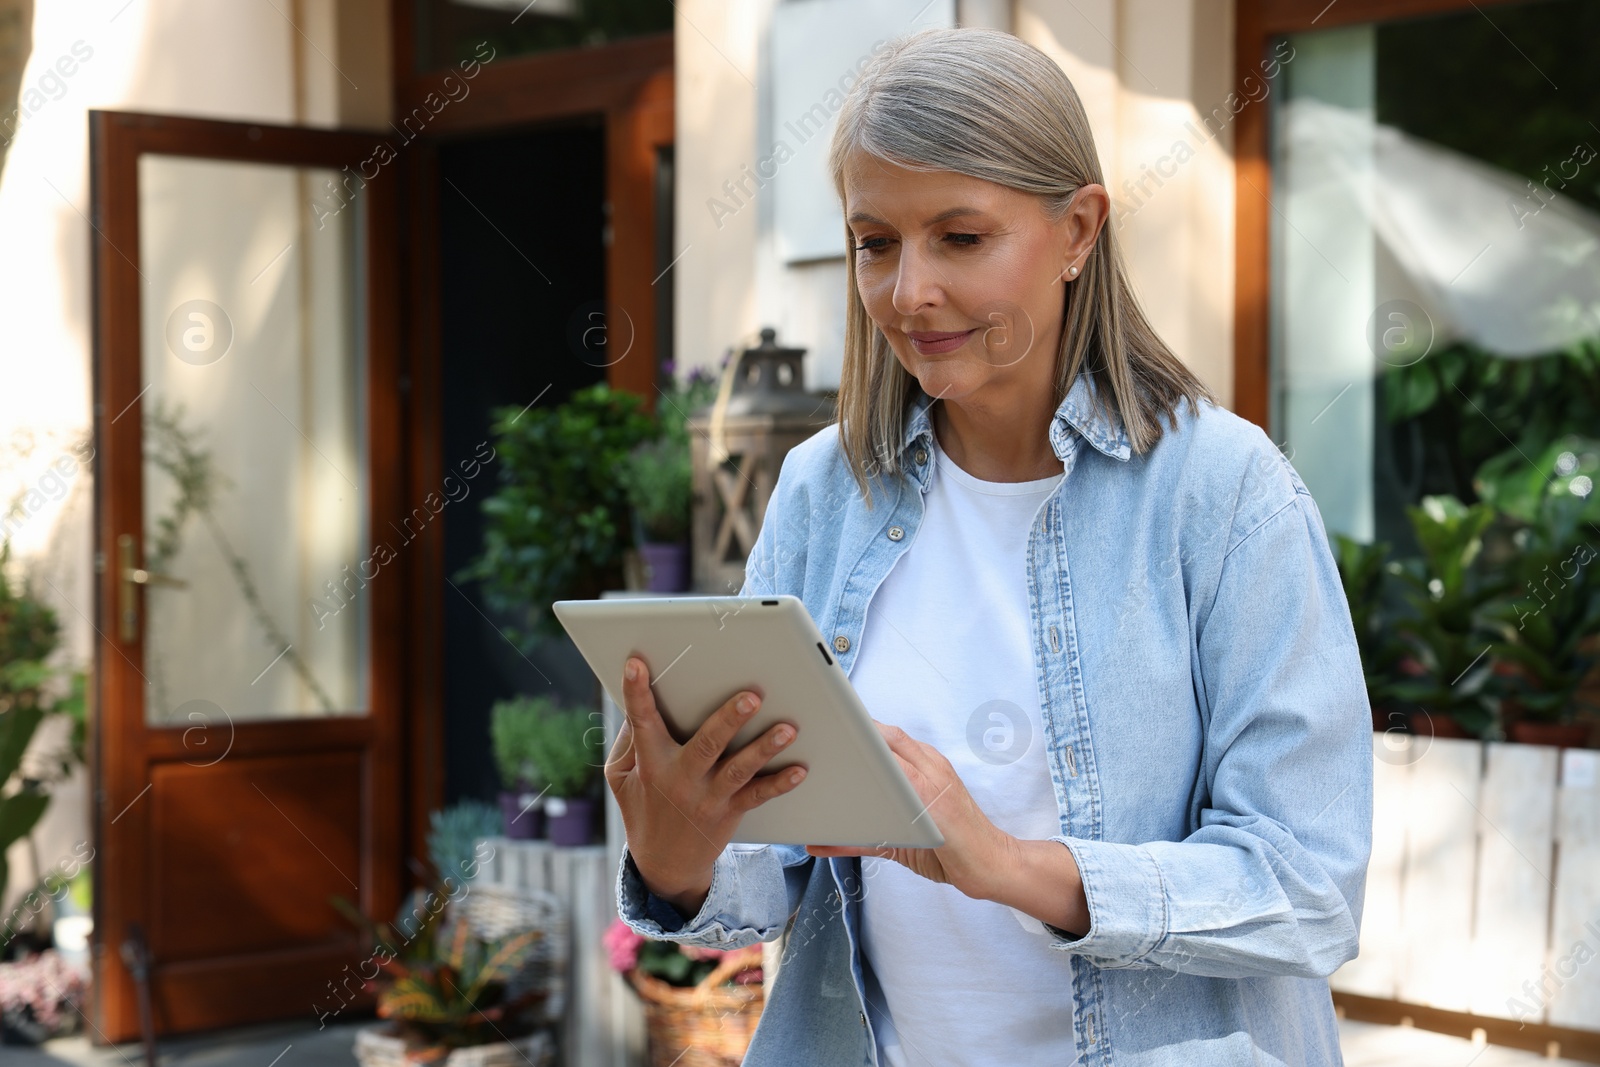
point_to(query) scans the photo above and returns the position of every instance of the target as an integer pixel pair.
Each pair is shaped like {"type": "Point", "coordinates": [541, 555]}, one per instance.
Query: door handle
{"type": "Point", "coordinates": [132, 576]}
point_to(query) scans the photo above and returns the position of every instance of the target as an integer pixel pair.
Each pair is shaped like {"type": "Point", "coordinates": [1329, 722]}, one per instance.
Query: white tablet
{"type": "Point", "coordinates": [702, 650]}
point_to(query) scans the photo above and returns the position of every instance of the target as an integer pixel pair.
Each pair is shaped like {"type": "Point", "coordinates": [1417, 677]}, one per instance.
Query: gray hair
{"type": "Point", "coordinates": [988, 105]}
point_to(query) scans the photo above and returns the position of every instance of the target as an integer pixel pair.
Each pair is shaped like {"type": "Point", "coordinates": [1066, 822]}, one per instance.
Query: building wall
{"type": "Point", "coordinates": [1147, 71]}
{"type": "Point", "coordinates": [716, 71]}
{"type": "Point", "coordinates": [318, 62]}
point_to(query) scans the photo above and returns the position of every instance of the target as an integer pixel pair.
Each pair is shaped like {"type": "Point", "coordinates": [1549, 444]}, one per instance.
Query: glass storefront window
{"type": "Point", "coordinates": [1435, 314]}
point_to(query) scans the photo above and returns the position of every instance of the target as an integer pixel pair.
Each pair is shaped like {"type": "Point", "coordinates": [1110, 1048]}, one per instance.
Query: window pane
{"type": "Point", "coordinates": [1436, 253]}
{"type": "Point", "coordinates": [254, 442]}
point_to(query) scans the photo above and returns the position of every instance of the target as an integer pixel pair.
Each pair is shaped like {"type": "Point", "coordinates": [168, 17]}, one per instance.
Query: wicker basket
{"type": "Point", "coordinates": [376, 1048]}
{"type": "Point", "coordinates": [708, 1025]}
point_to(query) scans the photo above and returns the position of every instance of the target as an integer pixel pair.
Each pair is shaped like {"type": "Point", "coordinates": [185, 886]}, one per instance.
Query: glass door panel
{"type": "Point", "coordinates": [255, 468]}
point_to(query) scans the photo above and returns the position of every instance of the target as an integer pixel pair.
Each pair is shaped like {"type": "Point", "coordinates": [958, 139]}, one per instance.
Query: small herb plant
{"type": "Point", "coordinates": [514, 727]}
{"type": "Point", "coordinates": [659, 474]}
{"type": "Point", "coordinates": [567, 750]}
{"type": "Point", "coordinates": [659, 478]}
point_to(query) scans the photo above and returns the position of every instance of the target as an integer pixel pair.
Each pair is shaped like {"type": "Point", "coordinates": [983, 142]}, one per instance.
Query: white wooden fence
{"type": "Point", "coordinates": [1483, 894]}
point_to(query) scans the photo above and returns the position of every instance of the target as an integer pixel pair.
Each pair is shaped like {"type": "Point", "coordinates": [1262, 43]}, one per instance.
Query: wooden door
{"type": "Point", "coordinates": [249, 446]}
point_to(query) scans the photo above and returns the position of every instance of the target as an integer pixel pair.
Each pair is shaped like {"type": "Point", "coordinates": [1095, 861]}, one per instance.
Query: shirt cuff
{"type": "Point", "coordinates": [655, 916]}
{"type": "Point", "coordinates": [1127, 903]}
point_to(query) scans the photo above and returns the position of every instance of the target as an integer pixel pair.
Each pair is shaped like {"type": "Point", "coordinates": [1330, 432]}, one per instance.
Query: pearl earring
{"type": "Point", "coordinates": [1072, 271]}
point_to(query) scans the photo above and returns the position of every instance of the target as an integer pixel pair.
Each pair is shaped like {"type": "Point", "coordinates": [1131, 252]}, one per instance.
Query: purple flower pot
{"type": "Point", "coordinates": [517, 824]}
{"type": "Point", "coordinates": [570, 820]}
{"type": "Point", "coordinates": [666, 566]}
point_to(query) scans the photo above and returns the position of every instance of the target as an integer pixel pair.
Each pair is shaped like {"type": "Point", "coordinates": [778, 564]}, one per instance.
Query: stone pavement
{"type": "Point", "coordinates": [299, 1045]}
{"type": "Point", "coordinates": [1371, 1045]}
{"type": "Point", "coordinates": [293, 1044]}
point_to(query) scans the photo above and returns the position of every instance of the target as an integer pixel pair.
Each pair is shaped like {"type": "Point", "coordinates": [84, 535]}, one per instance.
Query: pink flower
{"type": "Point", "coordinates": [622, 945]}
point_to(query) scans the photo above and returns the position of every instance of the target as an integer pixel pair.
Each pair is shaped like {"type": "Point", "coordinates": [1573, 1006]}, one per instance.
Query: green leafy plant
{"type": "Point", "coordinates": [26, 799]}
{"type": "Point", "coordinates": [1447, 411]}
{"type": "Point", "coordinates": [567, 750]}
{"type": "Point", "coordinates": [1548, 621]}
{"type": "Point", "coordinates": [514, 727]}
{"type": "Point", "coordinates": [1504, 592]}
{"type": "Point", "coordinates": [1566, 471]}
{"type": "Point", "coordinates": [557, 527]}
{"type": "Point", "coordinates": [1446, 628]}
{"type": "Point", "coordinates": [29, 635]}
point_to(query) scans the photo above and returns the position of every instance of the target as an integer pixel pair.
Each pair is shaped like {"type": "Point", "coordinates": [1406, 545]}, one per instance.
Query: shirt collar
{"type": "Point", "coordinates": [1079, 411]}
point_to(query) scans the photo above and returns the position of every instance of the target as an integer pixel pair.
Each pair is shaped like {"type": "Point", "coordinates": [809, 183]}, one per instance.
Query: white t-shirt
{"type": "Point", "coordinates": [946, 654]}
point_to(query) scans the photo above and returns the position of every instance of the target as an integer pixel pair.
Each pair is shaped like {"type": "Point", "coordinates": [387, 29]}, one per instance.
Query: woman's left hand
{"type": "Point", "coordinates": [976, 853]}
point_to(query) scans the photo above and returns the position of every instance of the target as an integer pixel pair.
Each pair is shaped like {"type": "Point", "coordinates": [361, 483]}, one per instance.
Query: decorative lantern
{"type": "Point", "coordinates": [738, 443]}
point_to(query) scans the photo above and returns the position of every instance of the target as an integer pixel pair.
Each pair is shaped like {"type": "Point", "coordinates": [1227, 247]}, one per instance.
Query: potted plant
{"type": "Point", "coordinates": [513, 727]}
{"type": "Point", "coordinates": [567, 751]}
{"type": "Point", "coordinates": [1446, 630]}
{"type": "Point", "coordinates": [701, 1004]}
{"type": "Point", "coordinates": [659, 480]}
{"type": "Point", "coordinates": [558, 526]}
{"type": "Point", "coordinates": [458, 1004]}
{"type": "Point", "coordinates": [453, 834]}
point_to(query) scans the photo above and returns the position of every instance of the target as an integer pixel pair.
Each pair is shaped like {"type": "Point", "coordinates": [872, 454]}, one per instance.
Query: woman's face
{"type": "Point", "coordinates": [965, 278]}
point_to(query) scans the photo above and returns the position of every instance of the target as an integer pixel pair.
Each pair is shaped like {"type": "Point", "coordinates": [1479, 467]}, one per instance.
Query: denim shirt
{"type": "Point", "coordinates": [1208, 738]}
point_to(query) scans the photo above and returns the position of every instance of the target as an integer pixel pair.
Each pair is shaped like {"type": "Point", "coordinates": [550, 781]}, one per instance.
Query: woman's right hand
{"type": "Point", "coordinates": [681, 803]}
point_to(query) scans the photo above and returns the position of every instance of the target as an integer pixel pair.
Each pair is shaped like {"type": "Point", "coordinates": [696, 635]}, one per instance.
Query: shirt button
{"type": "Point", "coordinates": [896, 532]}
{"type": "Point", "coordinates": [841, 643]}
{"type": "Point", "coordinates": [921, 456]}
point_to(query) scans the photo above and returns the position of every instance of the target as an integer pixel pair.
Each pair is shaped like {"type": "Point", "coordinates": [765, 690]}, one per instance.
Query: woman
{"type": "Point", "coordinates": [1107, 642]}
